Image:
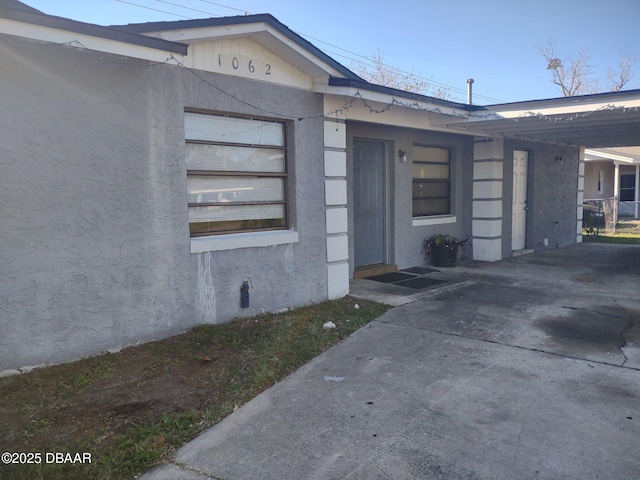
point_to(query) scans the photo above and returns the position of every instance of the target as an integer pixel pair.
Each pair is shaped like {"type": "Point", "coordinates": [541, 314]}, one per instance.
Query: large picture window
{"type": "Point", "coordinates": [431, 181]}
{"type": "Point", "coordinates": [236, 174]}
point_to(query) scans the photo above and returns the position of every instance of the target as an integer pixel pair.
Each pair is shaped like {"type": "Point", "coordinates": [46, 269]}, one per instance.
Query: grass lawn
{"type": "Point", "coordinates": [132, 410]}
{"type": "Point", "coordinates": [613, 238]}
{"type": "Point", "coordinates": [627, 233]}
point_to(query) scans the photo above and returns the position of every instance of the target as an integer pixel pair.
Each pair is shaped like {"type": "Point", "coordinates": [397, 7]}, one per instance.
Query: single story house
{"type": "Point", "coordinates": [154, 173]}
{"type": "Point", "coordinates": [614, 173]}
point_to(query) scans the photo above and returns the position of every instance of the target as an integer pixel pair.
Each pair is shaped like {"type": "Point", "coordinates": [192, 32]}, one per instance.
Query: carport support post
{"type": "Point", "coordinates": [580, 198]}
{"type": "Point", "coordinates": [637, 196]}
{"type": "Point", "coordinates": [486, 229]}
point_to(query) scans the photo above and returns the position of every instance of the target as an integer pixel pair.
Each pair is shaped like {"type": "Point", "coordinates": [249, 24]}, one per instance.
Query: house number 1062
{"type": "Point", "coordinates": [251, 67]}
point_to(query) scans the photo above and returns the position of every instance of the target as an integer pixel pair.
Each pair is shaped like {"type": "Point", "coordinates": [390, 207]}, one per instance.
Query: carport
{"type": "Point", "coordinates": [592, 121]}
{"type": "Point", "coordinates": [507, 133]}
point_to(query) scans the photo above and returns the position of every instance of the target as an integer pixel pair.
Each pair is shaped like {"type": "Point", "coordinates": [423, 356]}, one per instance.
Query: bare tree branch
{"type": "Point", "coordinates": [377, 72]}
{"type": "Point", "coordinates": [573, 76]}
{"type": "Point", "coordinates": [623, 75]}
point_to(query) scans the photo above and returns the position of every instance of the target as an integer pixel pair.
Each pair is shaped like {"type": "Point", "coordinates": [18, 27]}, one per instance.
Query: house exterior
{"type": "Point", "coordinates": [614, 173]}
{"type": "Point", "coordinates": [152, 172]}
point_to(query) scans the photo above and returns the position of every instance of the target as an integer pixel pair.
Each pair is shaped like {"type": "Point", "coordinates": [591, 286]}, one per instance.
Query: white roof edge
{"type": "Point", "coordinates": [605, 97]}
{"type": "Point", "coordinates": [564, 109]}
{"type": "Point", "coordinates": [255, 31]}
{"type": "Point", "coordinates": [82, 40]}
{"type": "Point", "coordinates": [598, 154]}
{"type": "Point", "coordinates": [387, 99]}
{"type": "Point", "coordinates": [300, 50]}
{"type": "Point", "coordinates": [209, 32]}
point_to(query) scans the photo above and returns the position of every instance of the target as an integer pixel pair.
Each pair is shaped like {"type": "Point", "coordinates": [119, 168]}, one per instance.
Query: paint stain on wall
{"type": "Point", "coordinates": [206, 295]}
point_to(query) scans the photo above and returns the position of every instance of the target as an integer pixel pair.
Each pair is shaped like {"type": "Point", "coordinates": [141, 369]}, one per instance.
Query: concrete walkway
{"type": "Point", "coordinates": [530, 370]}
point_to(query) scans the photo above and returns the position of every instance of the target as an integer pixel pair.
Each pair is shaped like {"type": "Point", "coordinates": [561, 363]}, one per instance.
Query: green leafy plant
{"type": "Point", "coordinates": [444, 241]}
{"type": "Point", "coordinates": [590, 228]}
{"type": "Point", "coordinates": [444, 249]}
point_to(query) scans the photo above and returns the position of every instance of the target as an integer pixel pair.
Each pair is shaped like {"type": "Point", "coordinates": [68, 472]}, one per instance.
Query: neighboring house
{"type": "Point", "coordinates": [150, 171]}
{"type": "Point", "coordinates": [614, 173]}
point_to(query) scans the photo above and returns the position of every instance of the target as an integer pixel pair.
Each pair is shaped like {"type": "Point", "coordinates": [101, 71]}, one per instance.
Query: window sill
{"type": "Point", "coordinates": [440, 220]}
{"type": "Point", "coordinates": [233, 241]}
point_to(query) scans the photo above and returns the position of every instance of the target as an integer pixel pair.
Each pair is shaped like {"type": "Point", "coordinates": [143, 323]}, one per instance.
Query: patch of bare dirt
{"type": "Point", "coordinates": [117, 391]}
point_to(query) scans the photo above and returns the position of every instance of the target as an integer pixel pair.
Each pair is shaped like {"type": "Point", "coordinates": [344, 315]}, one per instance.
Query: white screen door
{"type": "Point", "coordinates": [519, 216]}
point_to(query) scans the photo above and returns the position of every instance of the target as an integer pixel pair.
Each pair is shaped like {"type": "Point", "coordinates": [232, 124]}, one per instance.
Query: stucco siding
{"type": "Point", "coordinates": [405, 240]}
{"type": "Point", "coordinates": [552, 191]}
{"type": "Point", "coordinates": [94, 227]}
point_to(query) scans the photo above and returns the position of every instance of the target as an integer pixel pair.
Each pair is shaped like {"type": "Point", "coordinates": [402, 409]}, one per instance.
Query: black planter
{"type": "Point", "coordinates": [444, 255]}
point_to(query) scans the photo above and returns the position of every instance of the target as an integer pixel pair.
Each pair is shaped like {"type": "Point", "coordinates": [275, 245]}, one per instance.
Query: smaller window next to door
{"type": "Point", "coordinates": [431, 181]}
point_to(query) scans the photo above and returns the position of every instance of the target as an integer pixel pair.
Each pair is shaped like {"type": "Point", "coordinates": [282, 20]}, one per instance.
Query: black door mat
{"type": "Point", "coordinates": [391, 277]}
{"type": "Point", "coordinates": [420, 283]}
{"type": "Point", "coordinates": [419, 270]}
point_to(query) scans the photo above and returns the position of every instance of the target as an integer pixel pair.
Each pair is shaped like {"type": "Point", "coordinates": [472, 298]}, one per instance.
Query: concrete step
{"type": "Point", "coordinates": [371, 270]}
{"type": "Point", "coordinates": [524, 251]}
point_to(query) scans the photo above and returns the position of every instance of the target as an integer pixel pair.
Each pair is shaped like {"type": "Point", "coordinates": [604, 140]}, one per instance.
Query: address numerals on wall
{"type": "Point", "coordinates": [244, 65]}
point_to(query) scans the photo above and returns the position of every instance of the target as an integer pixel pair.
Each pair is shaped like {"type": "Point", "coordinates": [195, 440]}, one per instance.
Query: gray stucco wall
{"type": "Point", "coordinates": [405, 240]}
{"type": "Point", "coordinates": [552, 190]}
{"type": "Point", "coordinates": [93, 224]}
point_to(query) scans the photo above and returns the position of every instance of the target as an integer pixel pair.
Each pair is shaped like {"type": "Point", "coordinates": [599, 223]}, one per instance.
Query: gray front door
{"type": "Point", "coordinates": [368, 202]}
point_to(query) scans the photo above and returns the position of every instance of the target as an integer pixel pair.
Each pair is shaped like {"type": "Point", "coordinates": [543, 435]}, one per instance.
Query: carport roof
{"type": "Point", "coordinates": [595, 121]}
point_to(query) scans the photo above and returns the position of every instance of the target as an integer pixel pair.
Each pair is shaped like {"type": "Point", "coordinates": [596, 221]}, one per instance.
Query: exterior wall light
{"type": "Point", "coordinates": [402, 155]}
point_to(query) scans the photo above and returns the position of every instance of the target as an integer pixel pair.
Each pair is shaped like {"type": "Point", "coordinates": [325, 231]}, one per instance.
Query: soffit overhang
{"type": "Point", "coordinates": [593, 121]}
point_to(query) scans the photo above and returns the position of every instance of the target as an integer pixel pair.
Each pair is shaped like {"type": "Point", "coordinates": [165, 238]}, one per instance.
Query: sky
{"type": "Point", "coordinates": [444, 41]}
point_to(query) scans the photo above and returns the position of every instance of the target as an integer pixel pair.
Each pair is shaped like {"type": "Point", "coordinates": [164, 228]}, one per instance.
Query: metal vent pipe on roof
{"type": "Point", "coordinates": [470, 91]}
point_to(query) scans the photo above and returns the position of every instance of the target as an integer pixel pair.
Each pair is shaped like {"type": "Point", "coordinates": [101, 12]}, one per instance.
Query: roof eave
{"type": "Point", "coordinates": [394, 92]}
{"type": "Point", "coordinates": [565, 101]}
{"type": "Point", "coordinates": [60, 23]}
{"type": "Point", "coordinates": [265, 18]}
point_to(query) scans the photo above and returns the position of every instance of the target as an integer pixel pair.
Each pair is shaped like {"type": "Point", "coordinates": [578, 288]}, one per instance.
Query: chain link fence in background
{"type": "Point", "coordinates": [608, 216]}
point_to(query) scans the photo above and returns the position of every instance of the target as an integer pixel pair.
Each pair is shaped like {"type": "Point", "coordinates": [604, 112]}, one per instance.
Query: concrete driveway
{"type": "Point", "coordinates": [528, 369]}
